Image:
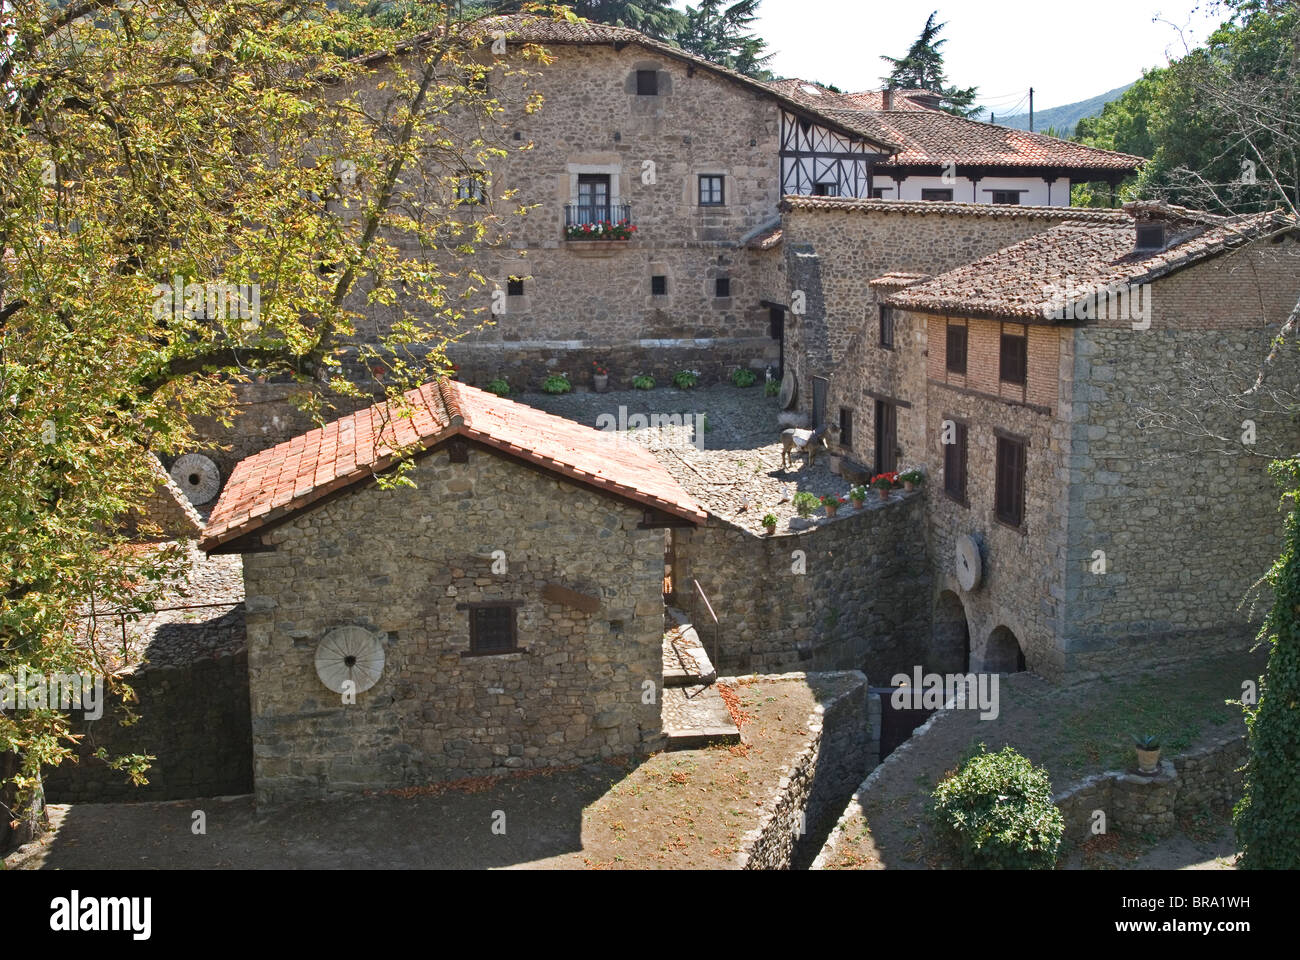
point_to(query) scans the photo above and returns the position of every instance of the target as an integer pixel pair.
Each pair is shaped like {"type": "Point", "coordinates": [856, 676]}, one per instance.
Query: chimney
{"type": "Point", "coordinates": [887, 99]}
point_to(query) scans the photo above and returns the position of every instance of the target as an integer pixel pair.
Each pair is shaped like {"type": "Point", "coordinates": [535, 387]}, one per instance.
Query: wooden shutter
{"type": "Point", "coordinates": [1009, 497]}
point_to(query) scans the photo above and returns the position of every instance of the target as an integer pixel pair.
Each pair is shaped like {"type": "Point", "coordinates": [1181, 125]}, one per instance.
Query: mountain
{"type": "Point", "coordinates": [1063, 118]}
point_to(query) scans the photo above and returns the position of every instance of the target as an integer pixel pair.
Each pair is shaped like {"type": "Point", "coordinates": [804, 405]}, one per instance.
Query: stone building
{"type": "Point", "coordinates": [1054, 391]}
{"type": "Point", "coordinates": [506, 612]}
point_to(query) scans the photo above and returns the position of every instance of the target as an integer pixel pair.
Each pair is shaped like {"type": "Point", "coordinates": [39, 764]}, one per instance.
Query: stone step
{"type": "Point", "coordinates": [686, 663]}
{"type": "Point", "coordinates": [695, 717]}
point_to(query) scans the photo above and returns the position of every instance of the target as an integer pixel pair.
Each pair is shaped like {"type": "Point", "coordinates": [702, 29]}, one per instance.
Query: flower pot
{"type": "Point", "coordinates": [858, 504]}
{"type": "Point", "coordinates": [1148, 760]}
{"type": "Point", "coordinates": [830, 509]}
{"type": "Point", "coordinates": [771, 530]}
{"type": "Point", "coordinates": [908, 486]}
{"type": "Point", "coordinates": [600, 383]}
{"type": "Point", "coordinates": [884, 494]}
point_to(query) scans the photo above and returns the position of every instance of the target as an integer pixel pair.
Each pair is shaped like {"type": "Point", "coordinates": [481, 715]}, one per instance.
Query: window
{"type": "Point", "coordinates": [1009, 494]}
{"type": "Point", "coordinates": [593, 204]}
{"type": "Point", "coordinates": [492, 629]}
{"type": "Point", "coordinates": [945, 194]}
{"type": "Point", "coordinates": [711, 192]}
{"type": "Point", "coordinates": [846, 427]}
{"type": "Point", "coordinates": [887, 328]}
{"type": "Point", "coordinates": [1011, 197]}
{"type": "Point", "coordinates": [954, 464]}
{"type": "Point", "coordinates": [647, 83]}
{"type": "Point", "coordinates": [722, 287]}
{"type": "Point", "coordinates": [1150, 236]}
{"type": "Point", "coordinates": [515, 287]}
{"type": "Point", "coordinates": [956, 351]}
{"type": "Point", "coordinates": [878, 193]}
{"type": "Point", "coordinates": [469, 188]}
{"type": "Point", "coordinates": [886, 437]}
{"type": "Point", "coordinates": [659, 285]}
{"type": "Point", "coordinates": [826, 189]}
{"type": "Point", "coordinates": [1014, 361]}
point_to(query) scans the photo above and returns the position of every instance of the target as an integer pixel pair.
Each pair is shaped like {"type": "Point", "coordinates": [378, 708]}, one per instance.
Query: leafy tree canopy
{"type": "Point", "coordinates": [921, 68]}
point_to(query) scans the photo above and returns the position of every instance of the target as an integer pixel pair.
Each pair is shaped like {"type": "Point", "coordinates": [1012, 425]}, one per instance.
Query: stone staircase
{"type": "Point", "coordinates": [694, 714]}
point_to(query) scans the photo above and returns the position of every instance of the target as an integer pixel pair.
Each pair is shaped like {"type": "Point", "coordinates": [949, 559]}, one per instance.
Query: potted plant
{"type": "Point", "coordinates": [832, 503]}
{"type": "Point", "coordinates": [643, 382]}
{"type": "Point", "coordinates": [742, 377]}
{"type": "Point", "coordinates": [912, 479]}
{"type": "Point", "coordinates": [557, 383]}
{"type": "Point", "coordinates": [805, 503]}
{"type": "Point", "coordinates": [769, 524]}
{"type": "Point", "coordinates": [858, 495]}
{"type": "Point", "coordinates": [884, 482]}
{"type": "Point", "coordinates": [1148, 752]}
{"type": "Point", "coordinates": [686, 379]}
{"type": "Point", "coordinates": [599, 377]}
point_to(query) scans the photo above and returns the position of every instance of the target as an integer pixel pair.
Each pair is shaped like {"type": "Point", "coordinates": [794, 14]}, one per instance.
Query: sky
{"type": "Point", "coordinates": [1065, 51]}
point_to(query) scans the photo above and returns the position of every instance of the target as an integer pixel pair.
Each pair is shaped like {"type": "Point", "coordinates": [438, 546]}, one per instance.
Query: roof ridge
{"type": "Point", "coordinates": [447, 393]}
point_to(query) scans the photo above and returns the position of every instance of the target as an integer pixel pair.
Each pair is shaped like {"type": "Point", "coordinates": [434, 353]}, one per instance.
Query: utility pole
{"type": "Point", "coordinates": [1031, 109]}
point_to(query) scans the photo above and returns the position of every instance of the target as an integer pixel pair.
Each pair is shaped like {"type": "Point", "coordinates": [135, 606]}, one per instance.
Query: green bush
{"type": "Point", "coordinates": [556, 383]}
{"type": "Point", "coordinates": [742, 377]}
{"type": "Point", "coordinates": [806, 503]}
{"type": "Point", "coordinates": [685, 379]}
{"type": "Point", "coordinates": [643, 382]}
{"type": "Point", "coordinates": [499, 387]}
{"type": "Point", "coordinates": [996, 812]}
{"type": "Point", "coordinates": [772, 388]}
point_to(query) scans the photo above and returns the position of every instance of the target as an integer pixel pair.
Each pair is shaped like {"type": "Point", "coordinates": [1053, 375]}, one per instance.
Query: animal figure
{"type": "Point", "coordinates": [807, 442]}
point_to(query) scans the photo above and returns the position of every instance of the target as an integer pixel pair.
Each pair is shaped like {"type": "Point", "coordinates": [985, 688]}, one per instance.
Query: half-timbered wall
{"type": "Point", "coordinates": [811, 154]}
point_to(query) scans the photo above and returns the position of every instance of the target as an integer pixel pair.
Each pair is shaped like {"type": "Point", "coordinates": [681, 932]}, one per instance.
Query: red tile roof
{"type": "Point", "coordinates": [293, 475]}
{"type": "Point", "coordinates": [823, 98]}
{"type": "Point", "coordinates": [1031, 280]}
{"type": "Point", "coordinates": [929, 208]}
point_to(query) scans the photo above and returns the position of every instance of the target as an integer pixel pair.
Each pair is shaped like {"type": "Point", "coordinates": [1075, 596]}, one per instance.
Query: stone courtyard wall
{"type": "Point", "coordinates": [862, 603]}
{"type": "Point", "coordinates": [402, 563]}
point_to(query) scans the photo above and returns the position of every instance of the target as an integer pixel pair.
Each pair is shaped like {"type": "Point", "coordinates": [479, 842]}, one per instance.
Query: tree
{"type": "Point", "coordinates": [722, 33]}
{"type": "Point", "coordinates": [921, 68]}
{"type": "Point", "coordinates": [655, 18]}
{"type": "Point", "coordinates": [192, 193]}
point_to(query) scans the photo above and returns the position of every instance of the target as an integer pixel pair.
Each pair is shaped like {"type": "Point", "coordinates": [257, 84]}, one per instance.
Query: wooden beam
{"type": "Point", "coordinates": [570, 598]}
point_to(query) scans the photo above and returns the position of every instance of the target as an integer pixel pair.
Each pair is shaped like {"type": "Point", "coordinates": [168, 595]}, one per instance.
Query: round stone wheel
{"type": "Point", "coordinates": [197, 476]}
{"type": "Point", "coordinates": [789, 390]}
{"type": "Point", "coordinates": [349, 653]}
{"type": "Point", "coordinates": [967, 563]}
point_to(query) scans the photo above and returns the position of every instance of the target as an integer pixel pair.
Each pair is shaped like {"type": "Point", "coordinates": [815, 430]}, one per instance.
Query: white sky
{"type": "Point", "coordinates": [1065, 51]}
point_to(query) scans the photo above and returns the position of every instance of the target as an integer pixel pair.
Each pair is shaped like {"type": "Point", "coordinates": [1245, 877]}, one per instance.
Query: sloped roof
{"type": "Point", "coordinates": [294, 475]}
{"type": "Point", "coordinates": [933, 137]}
{"type": "Point", "coordinates": [951, 207]}
{"type": "Point", "coordinates": [1029, 279]}
{"type": "Point", "coordinates": [822, 98]}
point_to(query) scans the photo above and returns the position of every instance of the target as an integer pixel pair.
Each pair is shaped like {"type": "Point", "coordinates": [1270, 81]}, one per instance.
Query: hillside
{"type": "Point", "coordinates": [1063, 118]}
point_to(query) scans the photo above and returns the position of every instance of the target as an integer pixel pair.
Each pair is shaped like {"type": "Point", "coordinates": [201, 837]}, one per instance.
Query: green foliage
{"type": "Point", "coordinates": [921, 68]}
{"type": "Point", "coordinates": [858, 492]}
{"type": "Point", "coordinates": [721, 31]}
{"type": "Point", "coordinates": [772, 388]}
{"type": "Point", "coordinates": [1269, 809]}
{"type": "Point", "coordinates": [499, 386]}
{"type": "Point", "coordinates": [1146, 742]}
{"type": "Point", "coordinates": [769, 520]}
{"type": "Point", "coordinates": [643, 382]}
{"type": "Point", "coordinates": [914, 476]}
{"type": "Point", "coordinates": [685, 379]}
{"type": "Point", "coordinates": [743, 377]}
{"type": "Point", "coordinates": [556, 383]}
{"type": "Point", "coordinates": [805, 503]}
{"type": "Point", "coordinates": [996, 812]}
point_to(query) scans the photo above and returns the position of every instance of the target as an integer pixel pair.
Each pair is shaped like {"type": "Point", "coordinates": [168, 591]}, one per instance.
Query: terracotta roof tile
{"type": "Point", "coordinates": [950, 207]}
{"type": "Point", "coordinates": [297, 473]}
{"type": "Point", "coordinates": [1031, 280]}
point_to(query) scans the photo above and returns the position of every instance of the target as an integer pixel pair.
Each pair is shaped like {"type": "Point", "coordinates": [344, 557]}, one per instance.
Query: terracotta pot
{"type": "Point", "coordinates": [830, 509]}
{"type": "Point", "coordinates": [600, 383]}
{"type": "Point", "coordinates": [771, 531]}
{"type": "Point", "coordinates": [1148, 760]}
{"type": "Point", "coordinates": [884, 494]}
{"type": "Point", "coordinates": [908, 486]}
{"type": "Point", "coordinates": [858, 504]}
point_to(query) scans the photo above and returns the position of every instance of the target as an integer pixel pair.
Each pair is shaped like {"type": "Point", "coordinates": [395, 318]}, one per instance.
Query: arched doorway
{"type": "Point", "coordinates": [1002, 654]}
{"type": "Point", "coordinates": [950, 639]}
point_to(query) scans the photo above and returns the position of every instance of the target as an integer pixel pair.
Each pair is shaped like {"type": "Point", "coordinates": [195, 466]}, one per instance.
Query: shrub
{"type": "Point", "coordinates": [685, 379]}
{"type": "Point", "coordinates": [556, 383]}
{"type": "Point", "coordinates": [499, 387]}
{"type": "Point", "coordinates": [643, 382]}
{"type": "Point", "coordinates": [805, 503]}
{"type": "Point", "coordinates": [915, 477]}
{"type": "Point", "coordinates": [858, 493]}
{"type": "Point", "coordinates": [769, 520]}
{"type": "Point", "coordinates": [833, 501]}
{"type": "Point", "coordinates": [772, 388]}
{"type": "Point", "coordinates": [997, 812]}
{"type": "Point", "coordinates": [743, 378]}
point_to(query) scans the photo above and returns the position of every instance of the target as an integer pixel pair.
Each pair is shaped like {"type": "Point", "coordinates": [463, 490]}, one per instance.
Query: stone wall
{"type": "Point", "coordinates": [814, 787]}
{"type": "Point", "coordinates": [1208, 778]}
{"type": "Point", "coordinates": [194, 718]}
{"type": "Point", "coordinates": [862, 602]}
{"type": "Point", "coordinates": [401, 564]}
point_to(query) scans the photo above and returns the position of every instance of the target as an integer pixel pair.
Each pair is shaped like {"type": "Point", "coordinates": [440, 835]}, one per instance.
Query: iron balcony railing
{"type": "Point", "coordinates": [598, 221]}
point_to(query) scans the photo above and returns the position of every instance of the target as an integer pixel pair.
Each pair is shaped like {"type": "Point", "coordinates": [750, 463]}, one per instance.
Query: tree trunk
{"type": "Point", "coordinates": [18, 823]}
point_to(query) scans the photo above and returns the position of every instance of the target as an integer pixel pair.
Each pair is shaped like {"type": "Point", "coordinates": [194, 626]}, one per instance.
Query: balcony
{"type": "Point", "coordinates": [603, 223]}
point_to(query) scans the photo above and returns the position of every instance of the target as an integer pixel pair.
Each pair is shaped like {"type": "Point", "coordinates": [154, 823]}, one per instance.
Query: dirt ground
{"type": "Point", "coordinates": [1073, 732]}
{"type": "Point", "coordinates": [685, 809]}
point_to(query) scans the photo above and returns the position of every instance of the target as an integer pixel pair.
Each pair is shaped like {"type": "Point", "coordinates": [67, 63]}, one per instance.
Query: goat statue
{"type": "Point", "coordinates": [807, 442]}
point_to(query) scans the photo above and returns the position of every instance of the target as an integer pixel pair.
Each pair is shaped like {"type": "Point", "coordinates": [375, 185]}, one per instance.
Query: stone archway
{"type": "Point", "coordinates": [1003, 653]}
{"type": "Point", "coordinates": [950, 638]}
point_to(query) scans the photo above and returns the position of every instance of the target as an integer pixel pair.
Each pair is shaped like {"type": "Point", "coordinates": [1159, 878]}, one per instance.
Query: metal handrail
{"type": "Point", "coordinates": [699, 592]}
